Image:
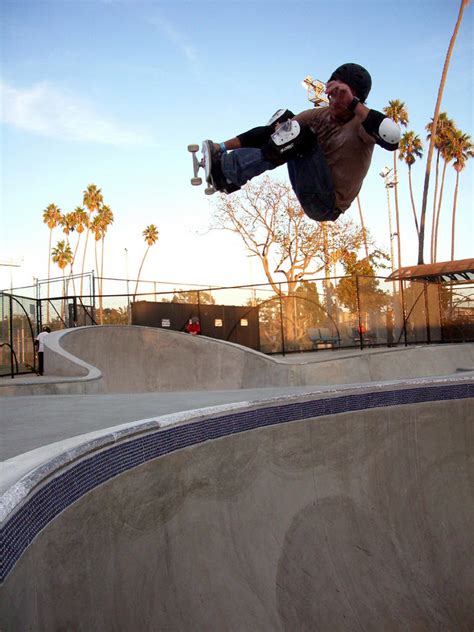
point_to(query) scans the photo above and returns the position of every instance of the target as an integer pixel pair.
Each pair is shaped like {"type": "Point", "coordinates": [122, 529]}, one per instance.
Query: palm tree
{"type": "Point", "coordinates": [107, 219]}
{"type": "Point", "coordinates": [81, 224]}
{"type": "Point", "coordinates": [92, 200]}
{"type": "Point", "coordinates": [100, 224]}
{"type": "Point", "coordinates": [421, 240]}
{"type": "Point", "coordinates": [397, 112]}
{"type": "Point", "coordinates": [62, 255]}
{"type": "Point", "coordinates": [443, 131]}
{"type": "Point", "coordinates": [462, 150]}
{"type": "Point", "coordinates": [68, 223]}
{"type": "Point", "coordinates": [150, 234]}
{"type": "Point", "coordinates": [411, 148]}
{"type": "Point", "coordinates": [52, 218]}
{"type": "Point", "coordinates": [96, 228]}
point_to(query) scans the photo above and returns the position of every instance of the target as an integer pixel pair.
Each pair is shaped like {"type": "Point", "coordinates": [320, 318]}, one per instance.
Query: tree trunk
{"type": "Point", "coordinates": [438, 213]}
{"type": "Point", "coordinates": [140, 271]}
{"type": "Point", "coordinates": [84, 261]}
{"type": "Point", "coordinates": [426, 184]}
{"type": "Point", "coordinates": [453, 223]}
{"type": "Point", "coordinates": [49, 273]}
{"type": "Point", "coordinates": [435, 198]}
{"type": "Point", "coordinates": [410, 184]}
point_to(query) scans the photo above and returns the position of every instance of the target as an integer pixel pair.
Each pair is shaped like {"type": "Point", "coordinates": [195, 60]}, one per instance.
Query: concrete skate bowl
{"type": "Point", "coordinates": [349, 512]}
{"type": "Point", "coordinates": [121, 359]}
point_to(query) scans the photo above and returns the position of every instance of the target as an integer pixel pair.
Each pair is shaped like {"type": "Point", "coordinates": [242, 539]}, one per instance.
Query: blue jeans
{"type": "Point", "coordinates": [241, 165]}
{"type": "Point", "coordinates": [309, 176]}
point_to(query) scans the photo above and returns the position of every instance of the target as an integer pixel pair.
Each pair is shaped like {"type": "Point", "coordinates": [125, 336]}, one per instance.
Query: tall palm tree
{"type": "Point", "coordinates": [96, 228]}
{"type": "Point", "coordinates": [447, 155]}
{"type": "Point", "coordinates": [92, 200]}
{"type": "Point", "coordinates": [397, 112]}
{"type": "Point", "coordinates": [150, 234]}
{"type": "Point", "coordinates": [411, 148]}
{"type": "Point", "coordinates": [462, 150]}
{"type": "Point", "coordinates": [421, 240]}
{"type": "Point", "coordinates": [81, 224]}
{"type": "Point", "coordinates": [107, 219]}
{"type": "Point", "coordinates": [441, 143]}
{"type": "Point", "coordinates": [68, 223]}
{"type": "Point", "coordinates": [100, 224]}
{"type": "Point", "coordinates": [62, 255]}
{"type": "Point", "coordinates": [51, 217]}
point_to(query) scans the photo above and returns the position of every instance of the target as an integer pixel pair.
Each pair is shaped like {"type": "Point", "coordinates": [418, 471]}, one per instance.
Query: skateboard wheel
{"type": "Point", "coordinates": [193, 148]}
{"type": "Point", "coordinates": [196, 181]}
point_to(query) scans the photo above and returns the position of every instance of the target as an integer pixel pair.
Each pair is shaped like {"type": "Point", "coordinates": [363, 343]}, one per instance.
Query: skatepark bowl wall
{"type": "Point", "coordinates": [134, 359]}
{"type": "Point", "coordinates": [348, 512]}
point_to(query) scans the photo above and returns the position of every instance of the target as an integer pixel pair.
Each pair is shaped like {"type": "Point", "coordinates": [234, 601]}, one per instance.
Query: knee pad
{"type": "Point", "coordinates": [290, 140]}
{"type": "Point", "coordinates": [280, 116]}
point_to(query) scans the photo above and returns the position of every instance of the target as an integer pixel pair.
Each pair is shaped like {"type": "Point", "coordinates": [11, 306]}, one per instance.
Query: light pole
{"type": "Point", "coordinates": [390, 183]}
{"type": "Point", "coordinates": [316, 91]}
{"type": "Point", "coordinates": [126, 279]}
{"type": "Point", "coordinates": [11, 264]}
{"type": "Point", "coordinates": [252, 288]}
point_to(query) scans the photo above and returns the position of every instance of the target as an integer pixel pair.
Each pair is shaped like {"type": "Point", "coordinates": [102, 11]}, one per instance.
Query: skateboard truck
{"type": "Point", "coordinates": [198, 164]}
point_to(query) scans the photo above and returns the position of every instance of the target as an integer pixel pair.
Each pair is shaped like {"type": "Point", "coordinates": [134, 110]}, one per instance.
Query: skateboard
{"type": "Point", "coordinates": [204, 163]}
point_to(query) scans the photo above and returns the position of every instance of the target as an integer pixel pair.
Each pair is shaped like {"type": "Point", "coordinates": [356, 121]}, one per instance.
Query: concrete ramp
{"type": "Point", "coordinates": [130, 359]}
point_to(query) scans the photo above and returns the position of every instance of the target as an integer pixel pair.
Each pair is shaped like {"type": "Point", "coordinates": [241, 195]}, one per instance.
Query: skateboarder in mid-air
{"type": "Point", "coordinates": [327, 150]}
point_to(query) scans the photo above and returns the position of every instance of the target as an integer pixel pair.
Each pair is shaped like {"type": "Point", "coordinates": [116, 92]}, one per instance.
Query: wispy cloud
{"type": "Point", "coordinates": [44, 109]}
{"type": "Point", "coordinates": [178, 39]}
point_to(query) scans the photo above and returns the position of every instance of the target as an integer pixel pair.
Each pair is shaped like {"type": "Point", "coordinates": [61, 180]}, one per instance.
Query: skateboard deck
{"type": "Point", "coordinates": [204, 163]}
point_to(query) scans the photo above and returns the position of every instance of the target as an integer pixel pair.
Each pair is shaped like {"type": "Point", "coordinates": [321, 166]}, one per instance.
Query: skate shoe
{"type": "Point", "coordinates": [211, 158]}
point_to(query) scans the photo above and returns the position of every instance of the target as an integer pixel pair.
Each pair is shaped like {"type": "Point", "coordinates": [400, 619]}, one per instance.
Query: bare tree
{"type": "Point", "coordinates": [274, 228]}
{"type": "Point", "coordinates": [268, 218]}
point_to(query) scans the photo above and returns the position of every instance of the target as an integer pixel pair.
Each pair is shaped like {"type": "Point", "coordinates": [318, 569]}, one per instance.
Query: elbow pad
{"type": "Point", "coordinates": [385, 131]}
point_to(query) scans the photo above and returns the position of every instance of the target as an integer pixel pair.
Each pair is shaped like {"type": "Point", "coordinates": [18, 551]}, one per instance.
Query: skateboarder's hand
{"type": "Point", "coordinates": [339, 93]}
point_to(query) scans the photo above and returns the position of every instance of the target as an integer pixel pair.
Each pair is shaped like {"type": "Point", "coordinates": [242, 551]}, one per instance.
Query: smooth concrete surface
{"type": "Point", "coordinates": [359, 521]}
{"type": "Point", "coordinates": [121, 359]}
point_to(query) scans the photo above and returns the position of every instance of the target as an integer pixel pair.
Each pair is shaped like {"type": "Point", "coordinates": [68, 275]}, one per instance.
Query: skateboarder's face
{"type": "Point", "coordinates": [340, 95]}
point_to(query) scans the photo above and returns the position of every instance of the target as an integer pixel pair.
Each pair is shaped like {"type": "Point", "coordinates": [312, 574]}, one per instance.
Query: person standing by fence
{"type": "Point", "coordinates": [39, 344]}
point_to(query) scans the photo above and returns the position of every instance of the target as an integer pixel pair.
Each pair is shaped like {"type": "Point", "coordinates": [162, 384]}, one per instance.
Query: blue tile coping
{"type": "Point", "coordinates": [46, 502]}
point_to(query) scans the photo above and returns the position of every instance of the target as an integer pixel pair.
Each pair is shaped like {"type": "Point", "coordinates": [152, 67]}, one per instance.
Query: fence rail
{"type": "Point", "coordinates": [328, 313]}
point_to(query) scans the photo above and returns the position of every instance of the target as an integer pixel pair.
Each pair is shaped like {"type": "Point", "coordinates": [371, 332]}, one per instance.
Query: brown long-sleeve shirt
{"type": "Point", "coordinates": [348, 150]}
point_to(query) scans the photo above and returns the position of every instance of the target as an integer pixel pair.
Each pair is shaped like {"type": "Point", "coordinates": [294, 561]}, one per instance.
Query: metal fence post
{"type": "Point", "coordinates": [402, 296]}
{"type": "Point", "coordinates": [282, 329]}
{"type": "Point", "coordinates": [427, 314]}
{"type": "Point", "coordinates": [199, 308]}
{"type": "Point", "coordinates": [93, 296]}
{"type": "Point", "coordinates": [359, 314]}
{"type": "Point", "coordinates": [11, 337]}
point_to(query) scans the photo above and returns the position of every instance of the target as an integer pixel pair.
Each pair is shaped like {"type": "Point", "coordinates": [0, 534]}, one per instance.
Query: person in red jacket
{"type": "Point", "coordinates": [193, 327]}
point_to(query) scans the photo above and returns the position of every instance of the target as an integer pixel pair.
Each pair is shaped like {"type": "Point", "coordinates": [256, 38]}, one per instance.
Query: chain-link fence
{"type": "Point", "coordinates": [18, 328]}
{"type": "Point", "coordinates": [324, 313]}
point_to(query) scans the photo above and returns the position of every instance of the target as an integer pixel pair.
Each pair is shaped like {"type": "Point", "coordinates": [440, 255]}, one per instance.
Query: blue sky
{"type": "Point", "coordinates": [112, 92]}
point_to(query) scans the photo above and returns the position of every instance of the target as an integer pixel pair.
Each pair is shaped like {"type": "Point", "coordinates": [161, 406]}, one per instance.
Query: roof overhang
{"type": "Point", "coordinates": [461, 271]}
